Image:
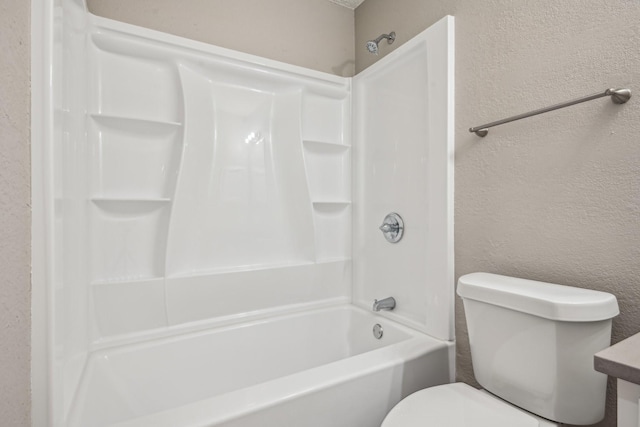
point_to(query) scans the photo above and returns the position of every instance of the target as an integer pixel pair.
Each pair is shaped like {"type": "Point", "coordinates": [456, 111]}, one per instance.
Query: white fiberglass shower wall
{"type": "Point", "coordinates": [181, 187]}
{"type": "Point", "coordinates": [404, 164]}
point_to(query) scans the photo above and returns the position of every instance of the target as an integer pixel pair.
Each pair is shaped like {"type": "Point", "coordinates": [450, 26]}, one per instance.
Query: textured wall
{"type": "Point", "coordinates": [15, 214]}
{"type": "Point", "coordinates": [315, 34]}
{"type": "Point", "coordinates": [555, 197]}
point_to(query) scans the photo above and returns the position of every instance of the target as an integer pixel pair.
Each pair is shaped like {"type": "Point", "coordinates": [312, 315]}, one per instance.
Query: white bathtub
{"type": "Point", "coordinates": [319, 368]}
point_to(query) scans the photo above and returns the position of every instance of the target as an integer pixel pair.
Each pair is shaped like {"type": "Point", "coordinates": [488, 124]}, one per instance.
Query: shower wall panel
{"type": "Point", "coordinates": [404, 140]}
{"type": "Point", "coordinates": [242, 200]}
{"type": "Point", "coordinates": [207, 184]}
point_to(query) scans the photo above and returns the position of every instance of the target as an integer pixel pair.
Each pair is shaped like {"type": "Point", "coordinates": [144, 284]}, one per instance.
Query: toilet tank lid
{"type": "Point", "coordinates": [547, 300]}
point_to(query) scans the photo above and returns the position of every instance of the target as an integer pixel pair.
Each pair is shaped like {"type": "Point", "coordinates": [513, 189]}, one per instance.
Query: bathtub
{"type": "Point", "coordinates": [318, 368]}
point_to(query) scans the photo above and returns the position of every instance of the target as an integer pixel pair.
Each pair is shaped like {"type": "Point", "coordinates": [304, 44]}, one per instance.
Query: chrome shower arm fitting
{"type": "Point", "coordinates": [390, 37]}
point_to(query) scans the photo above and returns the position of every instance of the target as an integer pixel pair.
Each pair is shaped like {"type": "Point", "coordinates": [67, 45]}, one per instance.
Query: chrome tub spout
{"type": "Point", "coordinates": [384, 304]}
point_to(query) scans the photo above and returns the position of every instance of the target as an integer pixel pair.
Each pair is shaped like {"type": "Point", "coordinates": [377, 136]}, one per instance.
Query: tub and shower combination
{"type": "Point", "coordinates": [207, 250]}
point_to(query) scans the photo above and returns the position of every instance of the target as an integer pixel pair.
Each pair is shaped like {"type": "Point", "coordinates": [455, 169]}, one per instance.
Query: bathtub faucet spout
{"type": "Point", "coordinates": [384, 304]}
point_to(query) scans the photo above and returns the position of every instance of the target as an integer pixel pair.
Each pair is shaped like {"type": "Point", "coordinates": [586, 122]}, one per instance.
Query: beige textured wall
{"type": "Point", "coordinates": [555, 197]}
{"type": "Point", "coordinates": [316, 34]}
{"type": "Point", "coordinates": [15, 214]}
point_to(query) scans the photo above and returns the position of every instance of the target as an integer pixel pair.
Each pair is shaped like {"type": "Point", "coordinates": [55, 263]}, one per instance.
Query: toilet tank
{"type": "Point", "coordinates": [532, 344]}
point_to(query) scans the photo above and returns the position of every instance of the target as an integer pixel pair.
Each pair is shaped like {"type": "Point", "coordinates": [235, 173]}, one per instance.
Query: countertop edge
{"type": "Point", "coordinates": [621, 360]}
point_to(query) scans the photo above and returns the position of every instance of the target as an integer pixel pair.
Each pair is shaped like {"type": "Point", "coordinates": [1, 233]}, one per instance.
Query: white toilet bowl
{"type": "Point", "coordinates": [459, 405]}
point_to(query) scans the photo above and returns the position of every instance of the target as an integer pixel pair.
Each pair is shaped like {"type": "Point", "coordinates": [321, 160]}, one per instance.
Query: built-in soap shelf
{"type": "Point", "coordinates": [105, 201]}
{"type": "Point", "coordinates": [125, 280]}
{"type": "Point", "coordinates": [129, 206]}
{"type": "Point", "coordinates": [135, 124]}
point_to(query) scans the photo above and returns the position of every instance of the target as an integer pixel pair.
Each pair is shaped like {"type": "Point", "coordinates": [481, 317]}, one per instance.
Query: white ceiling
{"type": "Point", "coordinates": [351, 4]}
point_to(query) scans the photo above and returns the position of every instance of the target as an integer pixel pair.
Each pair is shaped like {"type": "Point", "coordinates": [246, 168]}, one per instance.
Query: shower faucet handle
{"type": "Point", "coordinates": [392, 227]}
{"type": "Point", "coordinates": [388, 228]}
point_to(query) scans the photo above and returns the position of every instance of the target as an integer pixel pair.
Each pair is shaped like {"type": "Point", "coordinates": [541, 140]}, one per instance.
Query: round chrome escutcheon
{"type": "Point", "coordinates": [392, 227]}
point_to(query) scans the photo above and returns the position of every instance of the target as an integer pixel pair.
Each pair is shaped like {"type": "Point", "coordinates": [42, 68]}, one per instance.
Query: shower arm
{"type": "Point", "coordinates": [390, 37]}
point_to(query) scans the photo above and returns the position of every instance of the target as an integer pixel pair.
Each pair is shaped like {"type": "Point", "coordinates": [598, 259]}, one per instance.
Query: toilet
{"type": "Point", "coordinates": [532, 346]}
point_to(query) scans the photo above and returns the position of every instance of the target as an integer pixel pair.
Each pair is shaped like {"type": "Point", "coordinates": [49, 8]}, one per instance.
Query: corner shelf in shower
{"type": "Point", "coordinates": [134, 123]}
{"type": "Point", "coordinates": [127, 280]}
{"type": "Point", "coordinates": [129, 204]}
{"type": "Point", "coordinates": [130, 199]}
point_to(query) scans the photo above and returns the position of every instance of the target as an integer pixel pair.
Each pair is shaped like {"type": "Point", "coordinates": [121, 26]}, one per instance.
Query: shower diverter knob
{"type": "Point", "coordinates": [392, 227]}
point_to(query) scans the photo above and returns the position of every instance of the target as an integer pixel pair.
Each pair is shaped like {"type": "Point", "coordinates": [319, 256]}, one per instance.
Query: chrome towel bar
{"type": "Point", "coordinates": [618, 96]}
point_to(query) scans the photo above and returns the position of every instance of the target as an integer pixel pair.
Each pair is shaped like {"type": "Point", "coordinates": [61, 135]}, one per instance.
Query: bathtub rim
{"type": "Point", "coordinates": [242, 320]}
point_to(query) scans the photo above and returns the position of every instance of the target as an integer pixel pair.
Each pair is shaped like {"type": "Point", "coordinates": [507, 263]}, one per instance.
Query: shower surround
{"type": "Point", "coordinates": [196, 212]}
